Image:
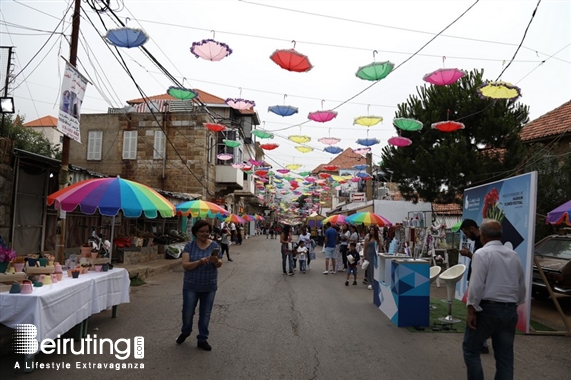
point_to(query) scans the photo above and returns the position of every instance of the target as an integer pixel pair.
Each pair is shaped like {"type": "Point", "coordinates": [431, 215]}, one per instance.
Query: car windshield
{"type": "Point", "coordinates": [557, 247]}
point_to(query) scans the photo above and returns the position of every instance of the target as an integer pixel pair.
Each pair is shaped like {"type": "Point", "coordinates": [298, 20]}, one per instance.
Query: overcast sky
{"type": "Point", "coordinates": [337, 36]}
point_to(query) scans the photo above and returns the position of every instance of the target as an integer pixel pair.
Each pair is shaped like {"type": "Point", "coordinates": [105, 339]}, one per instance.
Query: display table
{"type": "Point", "coordinates": [401, 289]}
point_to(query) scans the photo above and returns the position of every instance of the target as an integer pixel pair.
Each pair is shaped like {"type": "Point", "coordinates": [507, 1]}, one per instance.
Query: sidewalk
{"type": "Point", "coordinates": [150, 268]}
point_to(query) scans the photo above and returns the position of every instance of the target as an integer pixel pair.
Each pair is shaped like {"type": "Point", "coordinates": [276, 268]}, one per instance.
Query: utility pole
{"type": "Point", "coordinates": [64, 172]}
{"type": "Point", "coordinates": [369, 183]}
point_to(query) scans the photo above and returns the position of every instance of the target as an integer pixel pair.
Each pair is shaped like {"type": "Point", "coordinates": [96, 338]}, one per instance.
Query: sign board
{"type": "Point", "coordinates": [72, 92]}
{"type": "Point", "coordinates": [357, 197]}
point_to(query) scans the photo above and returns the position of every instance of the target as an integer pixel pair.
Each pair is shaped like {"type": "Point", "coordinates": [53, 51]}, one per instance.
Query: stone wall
{"type": "Point", "coordinates": [6, 188]}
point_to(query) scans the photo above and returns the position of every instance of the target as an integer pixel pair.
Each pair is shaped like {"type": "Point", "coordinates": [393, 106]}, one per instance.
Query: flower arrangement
{"type": "Point", "coordinates": [19, 260]}
{"type": "Point", "coordinates": [49, 257]}
{"type": "Point", "coordinates": [7, 255]}
{"type": "Point", "coordinates": [491, 208]}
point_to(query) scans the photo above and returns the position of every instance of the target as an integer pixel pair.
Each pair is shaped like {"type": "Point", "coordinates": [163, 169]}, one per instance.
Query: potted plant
{"type": "Point", "coordinates": [86, 250]}
{"type": "Point", "coordinates": [75, 272]}
{"type": "Point", "coordinates": [6, 255]}
{"type": "Point", "coordinates": [18, 263]}
{"type": "Point", "coordinates": [85, 267]}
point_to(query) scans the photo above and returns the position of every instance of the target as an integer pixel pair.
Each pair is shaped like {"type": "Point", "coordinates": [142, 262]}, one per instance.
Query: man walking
{"type": "Point", "coordinates": [329, 245]}
{"type": "Point", "coordinates": [497, 286]}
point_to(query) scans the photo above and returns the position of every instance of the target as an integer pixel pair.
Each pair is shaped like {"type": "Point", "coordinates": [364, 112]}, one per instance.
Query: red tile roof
{"type": "Point", "coordinates": [345, 160]}
{"type": "Point", "coordinates": [46, 121]}
{"type": "Point", "coordinates": [202, 95]}
{"type": "Point", "coordinates": [447, 209]}
{"type": "Point", "coordinates": [553, 123]}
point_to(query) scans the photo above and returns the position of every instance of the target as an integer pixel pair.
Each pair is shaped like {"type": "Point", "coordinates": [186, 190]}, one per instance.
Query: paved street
{"type": "Point", "coordinates": [269, 326]}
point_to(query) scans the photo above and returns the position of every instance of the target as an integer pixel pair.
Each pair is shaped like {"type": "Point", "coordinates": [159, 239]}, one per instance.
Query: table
{"type": "Point", "coordinates": [55, 309]}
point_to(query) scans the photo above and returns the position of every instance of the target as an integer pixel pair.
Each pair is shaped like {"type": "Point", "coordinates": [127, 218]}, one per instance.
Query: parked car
{"type": "Point", "coordinates": [554, 256]}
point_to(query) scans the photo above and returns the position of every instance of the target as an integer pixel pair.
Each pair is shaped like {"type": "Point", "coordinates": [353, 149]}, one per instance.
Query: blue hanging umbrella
{"type": "Point", "coordinates": [360, 167]}
{"type": "Point", "coordinates": [283, 110]}
{"type": "Point", "coordinates": [362, 175]}
{"type": "Point", "coordinates": [127, 37]}
{"type": "Point", "coordinates": [368, 142]}
{"type": "Point", "coordinates": [333, 149]}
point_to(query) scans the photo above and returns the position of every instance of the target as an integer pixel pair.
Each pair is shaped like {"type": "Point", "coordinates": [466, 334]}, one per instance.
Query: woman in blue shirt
{"type": "Point", "coordinates": [200, 260]}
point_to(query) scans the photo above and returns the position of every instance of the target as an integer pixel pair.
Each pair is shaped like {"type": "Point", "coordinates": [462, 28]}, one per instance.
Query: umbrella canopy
{"type": "Point", "coordinates": [456, 227]}
{"type": "Point", "coordinates": [407, 124]}
{"type": "Point", "coordinates": [240, 104]}
{"type": "Point", "coordinates": [498, 90]}
{"type": "Point", "coordinates": [362, 150]}
{"type": "Point", "coordinates": [447, 126]}
{"type": "Point", "coordinates": [443, 77]}
{"type": "Point", "coordinates": [210, 50]}
{"type": "Point", "coordinates": [249, 218]}
{"type": "Point", "coordinates": [304, 149]}
{"type": "Point", "coordinates": [109, 196]}
{"type": "Point", "coordinates": [269, 146]}
{"type": "Point", "coordinates": [375, 71]}
{"type": "Point", "coordinates": [199, 208]}
{"type": "Point", "coordinates": [367, 121]}
{"type": "Point", "coordinates": [283, 110]}
{"type": "Point", "coordinates": [231, 143]}
{"type": "Point", "coordinates": [291, 60]}
{"type": "Point", "coordinates": [127, 37]}
{"type": "Point", "coordinates": [368, 218]}
{"type": "Point", "coordinates": [215, 127]}
{"type": "Point", "coordinates": [233, 218]}
{"type": "Point", "coordinates": [560, 214]}
{"type": "Point", "coordinates": [399, 141]}
{"type": "Point", "coordinates": [260, 133]}
{"type": "Point", "coordinates": [182, 93]}
{"type": "Point", "coordinates": [368, 141]}
{"type": "Point", "coordinates": [300, 139]}
{"type": "Point", "coordinates": [333, 149]}
{"type": "Point", "coordinates": [329, 140]}
{"type": "Point", "coordinates": [322, 116]}
{"type": "Point", "coordinates": [334, 219]}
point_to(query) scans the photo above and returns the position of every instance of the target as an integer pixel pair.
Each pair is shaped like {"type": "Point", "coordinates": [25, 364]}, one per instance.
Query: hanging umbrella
{"type": "Point", "coordinates": [210, 50]}
{"type": "Point", "coordinates": [199, 209]}
{"type": "Point", "coordinates": [368, 142]}
{"type": "Point", "coordinates": [334, 219]}
{"type": "Point", "coordinates": [560, 214]}
{"type": "Point", "coordinates": [331, 168]}
{"type": "Point", "coordinates": [291, 60]}
{"type": "Point", "coordinates": [300, 139]}
{"type": "Point", "coordinates": [255, 162]}
{"type": "Point", "coordinates": [367, 121]}
{"type": "Point", "coordinates": [363, 175]}
{"type": "Point", "coordinates": [126, 37]}
{"type": "Point", "coordinates": [322, 116]}
{"type": "Point", "coordinates": [293, 166]}
{"type": "Point", "coordinates": [283, 171]}
{"type": "Point", "coordinates": [362, 150]}
{"type": "Point", "coordinates": [215, 127]}
{"type": "Point", "coordinates": [283, 110]}
{"type": "Point", "coordinates": [259, 217]}
{"type": "Point", "coordinates": [304, 174]}
{"type": "Point", "coordinates": [456, 227]}
{"type": "Point", "coordinates": [407, 124]}
{"type": "Point", "coordinates": [443, 77]}
{"type": "Point", "coordinates": [231, 143]}
{"type": "Point", "coordinates": [368, 218]}
{"type": "Point", "coordinates": [182, 93]}
{"type": "Point", "coordinates": [375, 71]}
{"type": "Point", "coordinates": [303, 148]}
{"type": "Point", "coordinates": [329, 140]}
{"type": "Point", "coordinates": [233, 218]}
{"type": "Point", "coordinates": [447, 126]}
{"type": "Point", "coordinates": [324, 175]}
{"type": "Point", "coordinates": [262, 134]}
{"type": "Point", "coordinates": [269, 146]}
{"type": "Point", "coordinates": [399, 141]}
{"type": "Point", "coordinates": [499, 90]}
{"type": "Point", "coordinates": [333, 149]}
{"type": "Point", "coordinates": [360, 167]}
{"type": "Point", "coordinates": [111, 195]}
{"type": "Point", "coordinates": [240, 104]}
{"type": "Point", "coordinates": [225, 156]}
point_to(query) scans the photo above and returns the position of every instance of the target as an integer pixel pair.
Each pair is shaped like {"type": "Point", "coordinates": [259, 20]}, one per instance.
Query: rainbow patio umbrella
{"type": "Point", "coordinates": [199, 208]}
{"type": "Point", "coordinates": [334, 219]}
{"type": "Point", "coordinates": [233, 218]}
{"type": "Point", "coordinates": [368, 218]}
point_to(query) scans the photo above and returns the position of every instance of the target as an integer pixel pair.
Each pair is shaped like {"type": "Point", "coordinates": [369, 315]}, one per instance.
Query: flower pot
{"type": "Point", "coordinates": [97, 268]}
{"type": "Point", "coordinates": [4, 266]}
{"type": "Point", "coordinates": [18, 267]}
{"type": "Point", "coordinates": [86, 250]}
{"type": "Point", "coordinates": [43, 262]}
{"type": "Point", "coordinates": [93, 255]}
{"type": "Point", "coordinates": [59, 276]}
{"type": "Point", "coordinates": [105, 267]}
{"type": "Point", "coordinates": [75, 274]}
{"type": "Point", "coordinates": [32, 262]}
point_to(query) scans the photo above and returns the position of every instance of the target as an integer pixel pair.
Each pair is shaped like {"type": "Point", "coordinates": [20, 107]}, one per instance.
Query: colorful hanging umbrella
{"type": "Point", "coordinates": [448, 126]}
{"type": "Point", "coordinates": [240, 104]}
{"type": "Point", "coordinates": [283, 110]}
{"type": "Point", "coordinates": [210, 50]}
{"type": "Point", "coordinates": [499, 90]}
{"type": "Point", "coordinates": [303, 148]}
{"type": "Point", "coordinates": [291, 60]}
{"type": "Point", "coordinates": [199, 208]}
{"type": "Point", "coordinates": [262, 134]}
{"type": "Point", "coordinates": [362, 175]}
{"type": "Point", "coordinates": [215, 127]}
{"type": "Point", "coordinates": [456, 227]}
{"type": "Point", "coordinates": [368, 218]}
{"type": "Point", "coordinates": [329, 140]}
{"type": "Point", "coordinates": [225, 156]}
{"type": "Point", "coordinates": [375, 71]}
{"type": "Point", "coordinates": [322, 116]}
{"type": "Point", "coordinates": [238, 166]}
{"type": "Point", "coordinates": [269, 146]}
{"type": "Point", "coordinates": [560, 215]}
{"type": "Point", "coordinates": [334, 219]}
{"type": "Point", "coordinates": [283, 171]}
{"type": "Point", "coordinates": [367, 121]}
{"type": "Point", "coordinates": [360, 167]}
{"type": "Point", "coordinates": [331, 168]}
{"type": "Point", "coordinates": [182, 93]}
{"type": "Point", "coordinates": [368, 142]}
{"type": "Point", "coordinates": [399, 141]}
{"type": "Point", "coordinates": [443, 77]}
{"type": "Point", "coordinates": [293, 166]}
{"type": "Point", "coordinates": [231, 143]}
{"type": "Point", "coordinates": [407, 124]}
{"type": "Point", "coordinates": [109, 196]}
{"type": "Point", "coordinates": [233, 218]}
{"type": "Point", "coordinates": [333, 149]}
{"type": "Point", "coordinates": [255, 162]}
{"type": "Point", "coordinates": [300, 139]}
{"type": "Point", "coordinates": [259, 217]}
{"type": "Point", "coordinates": [126, 37]}
{"type": "Point", "coordinates": [362, 150]}
{"type": "Point", "coordinates": [304, 174]}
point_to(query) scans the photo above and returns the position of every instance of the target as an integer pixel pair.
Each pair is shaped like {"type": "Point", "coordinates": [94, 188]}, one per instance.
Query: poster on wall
{"type": "Point", "coordinates": [72, 92]}
{"type": "Point", "coordinates": [512, 202]}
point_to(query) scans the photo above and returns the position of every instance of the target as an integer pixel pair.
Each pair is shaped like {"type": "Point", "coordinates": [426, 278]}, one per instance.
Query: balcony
{"type": "Point", "coordinates": [229, 178]}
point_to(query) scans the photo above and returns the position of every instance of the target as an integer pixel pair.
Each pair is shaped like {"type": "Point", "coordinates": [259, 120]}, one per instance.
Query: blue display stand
{"type": "Point", "coordinates": [402, 290]}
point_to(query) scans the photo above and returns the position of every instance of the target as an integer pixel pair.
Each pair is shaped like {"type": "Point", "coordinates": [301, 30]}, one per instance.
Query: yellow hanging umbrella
{"type": "Point", "coordinates": [303, 148]}
{"type": "Point", "coordinates": [293, 166]}
{"type": "Point", "coordinates": [367, 121]}
{"type": "Point", "coordinates": [300, 139]}
{"type": "Point", "coordinates": [499, 90]}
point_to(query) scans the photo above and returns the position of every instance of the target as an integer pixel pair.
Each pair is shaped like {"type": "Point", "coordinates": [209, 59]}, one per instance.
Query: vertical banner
{"type": "Point", "coordinates": [72, 93]}
{"type": "Point", "coordinates": [512, 202]}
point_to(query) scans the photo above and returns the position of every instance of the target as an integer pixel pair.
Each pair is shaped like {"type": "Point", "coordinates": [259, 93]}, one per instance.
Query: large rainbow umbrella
{"type": "Point", "coordinates": [199, 208]}
{"type": "Point", "coordinates": [334, 219]}
{"type": "Point", "coordinates": [368, 218]}
{"type": "Point", "coordinates": [233, 218]}
{"type": "Point", "coordinates": [249, 218]}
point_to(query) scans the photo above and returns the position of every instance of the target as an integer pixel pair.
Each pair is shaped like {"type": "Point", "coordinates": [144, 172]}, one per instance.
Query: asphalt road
{"type": "Point", "coordinates": [269, 326]}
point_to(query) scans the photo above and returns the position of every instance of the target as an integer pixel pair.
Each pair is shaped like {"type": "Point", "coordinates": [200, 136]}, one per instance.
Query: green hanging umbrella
{"type": "Point", "coordinates": [407, 124]}
{"type": "Point", "coordinates": [456, 227]}
{"type": "Point", "coordinates": [181, 93]}
{"type": "Point", "coordinates": [375, 71]}
{"type": "Point", "coordinates": [262, 134]}
{"type": "Point", "coordinates": [231, 143]}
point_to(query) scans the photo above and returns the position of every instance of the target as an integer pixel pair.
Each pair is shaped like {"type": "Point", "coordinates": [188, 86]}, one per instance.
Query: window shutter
{"type": "Point", "coordinates": [129, 145]}
{"type": "Point", "coordinates": [159, 145]}
{"type": "Point", "coordinates": [94, 145]}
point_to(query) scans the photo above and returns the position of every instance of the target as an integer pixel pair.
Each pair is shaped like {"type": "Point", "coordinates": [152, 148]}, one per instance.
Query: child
{"type": "Point", "coordinates": [225, 243]}
{"type": "Point", "coordinates": [302, 255]}
{"type": "Point", "coordinates": [352, 261]}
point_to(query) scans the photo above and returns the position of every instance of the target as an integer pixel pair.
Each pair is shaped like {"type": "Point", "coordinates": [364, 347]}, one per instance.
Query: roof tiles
{"type": "Point", "coordinates": [555, 122]}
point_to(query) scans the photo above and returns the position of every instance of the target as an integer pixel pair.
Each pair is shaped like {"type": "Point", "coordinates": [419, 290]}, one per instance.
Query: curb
{"type": "Point", "coordinates": [151, 268]}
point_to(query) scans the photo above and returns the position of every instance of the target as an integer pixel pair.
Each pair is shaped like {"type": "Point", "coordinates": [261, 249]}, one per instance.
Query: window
{"type": "Point", "coordinates": [94, 145]}
{"type": "Point", "coordinates": [130, 145]}
{"type": "Point", "coordinates": [160, 140]}
{"type": "Point", "coordinates": [223, 148]}
{"type": "Point", "coordinates": [211, 150]}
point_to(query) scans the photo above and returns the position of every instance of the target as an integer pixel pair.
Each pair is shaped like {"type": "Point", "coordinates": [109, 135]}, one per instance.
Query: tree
{"type": "Point", "coordinates": [438, 166]}
{"type": "Point", "coordinates": [27, 139]}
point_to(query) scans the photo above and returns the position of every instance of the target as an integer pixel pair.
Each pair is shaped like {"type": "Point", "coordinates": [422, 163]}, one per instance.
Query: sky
{"type": "Point", "coordinates": [337, 36]}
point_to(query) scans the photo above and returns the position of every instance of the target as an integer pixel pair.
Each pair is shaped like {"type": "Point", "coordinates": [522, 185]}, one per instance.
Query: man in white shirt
{"type": "Point", "coordinates": [497, 286]}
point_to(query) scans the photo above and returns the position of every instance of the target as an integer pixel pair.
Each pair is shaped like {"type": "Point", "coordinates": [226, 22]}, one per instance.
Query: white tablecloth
{"type": "Point", "coordinates": [55, 309]}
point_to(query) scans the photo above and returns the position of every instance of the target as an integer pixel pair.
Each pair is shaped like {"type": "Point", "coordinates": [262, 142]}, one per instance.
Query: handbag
{"type": "Point", "coordinates": [365, 264]}
{"type": "Point", "coordinates": [290, 246]}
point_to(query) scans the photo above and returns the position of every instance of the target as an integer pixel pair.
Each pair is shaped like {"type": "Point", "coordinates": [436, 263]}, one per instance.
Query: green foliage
{"type": "Point", "coordinates": [27, 139]}
{"type": "Point", "coordinates": [438, 166]}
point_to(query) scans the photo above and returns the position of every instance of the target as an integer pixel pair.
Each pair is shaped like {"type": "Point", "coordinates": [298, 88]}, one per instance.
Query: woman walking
{"type": "Point", "coordinates": [372, 246]}
{"type": "Point", "coordinates": [287, 254]}
{"type": "Point", "coordinates": [200, 261]}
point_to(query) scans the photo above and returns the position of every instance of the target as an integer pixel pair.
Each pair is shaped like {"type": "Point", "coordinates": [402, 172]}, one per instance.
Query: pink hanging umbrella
{"type": "Point", "coordinates": [322, 116]}
{"type": "Point", "coordinates": [329, 140]}
{"type": "Point", "coordinates": [210, 50]}
{"type": "Point", "coordinates": [225, 156]}
{"type": "Point", "coordinates": [444, 77]}
{"type": "Point", "coordinates": [399, 141]}
{"type": "Point", "coordinates": [240, 104]}
{"type": "Point", "coordinates": [362, 150]}
{"type": "Point", "coordinates": [254, 162]}
{"type": "Point", "coordinates": [283, 171]}
{"type": "Point", "coordinates": [238, 166]}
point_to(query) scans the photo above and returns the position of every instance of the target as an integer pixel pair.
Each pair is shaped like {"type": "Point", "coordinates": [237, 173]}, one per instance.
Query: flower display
{"type": "Point", "coordinates": [7, 255]}
{"type": "Point", "coordinates": [491, 208]}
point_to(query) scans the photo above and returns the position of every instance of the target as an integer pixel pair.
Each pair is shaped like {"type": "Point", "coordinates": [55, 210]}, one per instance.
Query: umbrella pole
{"type": "Point", "coordinates": [112, 231]}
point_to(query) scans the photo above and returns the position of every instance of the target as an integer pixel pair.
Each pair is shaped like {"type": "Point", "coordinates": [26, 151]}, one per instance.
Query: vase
{"type": "Point", "coordinates": [4, 266]}
{"type": "Point", "coordinates": [43, 262]}
{"type": "Point", "coordinates": [105, 267]}
{"type": "Point", "coordinates": [18, 267]}
{"type": "Point", "coordinates": [32, 262]}
{"type": "Point", "coordinates": [75, 274]}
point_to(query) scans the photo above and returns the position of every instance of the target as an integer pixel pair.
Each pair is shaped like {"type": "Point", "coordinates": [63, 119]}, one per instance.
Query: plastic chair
{"type": "Point", "coordinates": [450, 277]}
{"type": "Point", "coordinates": [434, 273]}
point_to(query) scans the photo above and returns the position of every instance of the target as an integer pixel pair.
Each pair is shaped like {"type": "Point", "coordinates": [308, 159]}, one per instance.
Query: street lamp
{"type": "Point", "coordinates": [7, 105]}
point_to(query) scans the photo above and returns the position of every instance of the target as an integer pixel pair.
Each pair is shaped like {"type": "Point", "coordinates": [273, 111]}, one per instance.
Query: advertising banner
{"type": "Point", "coordinates": [512, 202]}
{"type": "Point", "coordinates": [72, 92]}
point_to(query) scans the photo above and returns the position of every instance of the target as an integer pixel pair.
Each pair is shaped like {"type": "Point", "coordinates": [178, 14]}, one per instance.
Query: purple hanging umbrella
{"type": "Point", "coordinates": [362, 150]}
{"type": "Point", "coordinates": [560, 215]}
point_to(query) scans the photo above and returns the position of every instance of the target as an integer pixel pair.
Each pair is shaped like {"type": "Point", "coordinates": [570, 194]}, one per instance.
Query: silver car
{"type": "Point", "coordinates": [554, 256]}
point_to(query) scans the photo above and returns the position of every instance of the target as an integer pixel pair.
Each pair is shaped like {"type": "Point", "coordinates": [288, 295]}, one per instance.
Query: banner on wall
{"type": "Point", "coordinates": [72, 92]}
{"type": "Point", "coordinates": [512, 202]}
